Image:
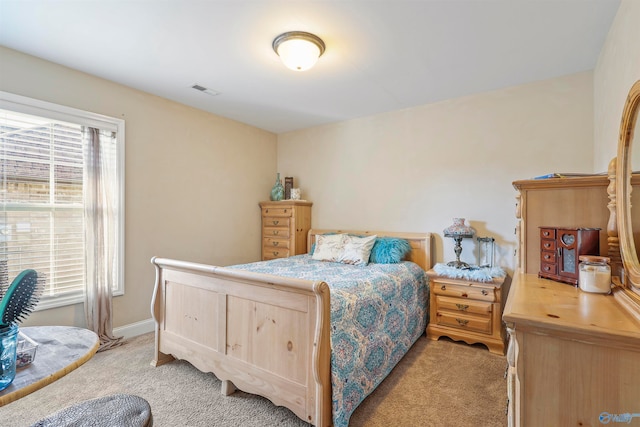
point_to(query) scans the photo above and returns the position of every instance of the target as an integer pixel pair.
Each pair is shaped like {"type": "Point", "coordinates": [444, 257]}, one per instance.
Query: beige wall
{"type": "Point", "coordinates": [193, 179]}
{"type": "Point", "coordinates": [617, 69]}
{"type": "Point", "coordinates": [416, 169]}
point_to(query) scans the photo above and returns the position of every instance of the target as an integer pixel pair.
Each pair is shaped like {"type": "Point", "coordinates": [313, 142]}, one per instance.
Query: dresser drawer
{"type": "Point", "coordinates": [547, 233]}
{"type": "Point", "coordinates": [461, 291]}
{"type": "Point", "coordinates": [286, 212]}
{"type": "Point", "coordinates": [548, 268]}
{"type": "Point", "coordinates": [280, 232]}
{"type": "Point", "coordinates": [279, 222]}
{"type": "Point", "coordinates": [477, 323]}
{"type": "Point", "coordinates": [273, 253]}
{"type": "Point", "coordinates": [465, 306]}
{"type": "Point", "coordinates": [548, 257]}
{"type": "Point", "coordinates": [270, 242]}
{"type": "Point", "coordinates": [548, 245]}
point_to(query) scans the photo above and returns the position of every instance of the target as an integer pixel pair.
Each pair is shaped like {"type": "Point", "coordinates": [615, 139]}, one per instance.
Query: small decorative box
{"type": "Point", "coordinates": [26, 351]}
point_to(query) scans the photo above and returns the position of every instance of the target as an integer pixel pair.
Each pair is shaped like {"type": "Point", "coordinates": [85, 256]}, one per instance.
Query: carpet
{"type": "Point", "coordinates": [438, 383]}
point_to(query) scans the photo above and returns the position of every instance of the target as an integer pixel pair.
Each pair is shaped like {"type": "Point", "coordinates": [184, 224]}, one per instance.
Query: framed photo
{"type": "Point", "coordinates": [288, 185]}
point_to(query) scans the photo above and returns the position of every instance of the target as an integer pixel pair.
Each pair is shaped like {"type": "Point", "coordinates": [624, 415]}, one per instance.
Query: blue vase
{"type": "Point", "coordinates": [277, 192]}
{"type": "Point", "coordinates": [8, 345]}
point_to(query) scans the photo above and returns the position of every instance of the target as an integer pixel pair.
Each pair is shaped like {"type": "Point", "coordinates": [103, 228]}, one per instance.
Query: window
{"type": "Point", "coordinates": [42, 206]}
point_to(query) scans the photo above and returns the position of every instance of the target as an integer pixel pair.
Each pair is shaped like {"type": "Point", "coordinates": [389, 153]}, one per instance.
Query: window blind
{"type": "Point", "coordinates": [41, 200]}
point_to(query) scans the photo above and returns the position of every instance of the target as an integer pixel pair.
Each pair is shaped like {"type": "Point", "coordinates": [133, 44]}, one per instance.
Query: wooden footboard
{"type": "Point", "coordinates": [263, 334]}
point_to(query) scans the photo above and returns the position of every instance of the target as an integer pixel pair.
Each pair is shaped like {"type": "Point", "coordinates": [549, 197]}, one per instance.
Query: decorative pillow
{"type": "Point", "coordinates": [357, 249]}
{"type": "Point", "coordinates": [329, 247]}
{"type": "Point", "coordinates": [389, 250]}
{"type": "Point", "coordinates": [313, 245]}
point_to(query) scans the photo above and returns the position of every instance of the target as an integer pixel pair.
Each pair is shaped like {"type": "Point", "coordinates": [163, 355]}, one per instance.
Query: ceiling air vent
{"type": "Point", "coordinates": [205, 90]}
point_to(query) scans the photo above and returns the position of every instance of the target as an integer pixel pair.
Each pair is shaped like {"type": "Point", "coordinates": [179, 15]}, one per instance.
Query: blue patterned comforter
{"type": "Point", "coordinates": [377, 313]}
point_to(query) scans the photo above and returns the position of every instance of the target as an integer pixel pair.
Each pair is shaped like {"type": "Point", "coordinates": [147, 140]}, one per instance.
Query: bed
{"type": "Point", "coordinates": [267, 327]}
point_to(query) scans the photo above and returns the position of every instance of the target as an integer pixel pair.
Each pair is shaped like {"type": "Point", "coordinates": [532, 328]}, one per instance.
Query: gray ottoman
{"type": "Point", "coordinates": [117, 410]}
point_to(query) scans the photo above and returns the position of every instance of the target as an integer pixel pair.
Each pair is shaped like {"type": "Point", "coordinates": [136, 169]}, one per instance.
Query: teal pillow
{"type": "Point", "coordinates": [389, 250]}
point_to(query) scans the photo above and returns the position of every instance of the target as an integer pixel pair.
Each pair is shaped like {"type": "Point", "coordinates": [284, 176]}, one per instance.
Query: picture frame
{"type": "Point", "coordinates": [288, 185]}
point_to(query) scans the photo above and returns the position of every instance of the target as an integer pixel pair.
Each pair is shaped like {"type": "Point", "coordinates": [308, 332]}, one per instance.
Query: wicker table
{"type": "Point", "coordinates": [61, 349]}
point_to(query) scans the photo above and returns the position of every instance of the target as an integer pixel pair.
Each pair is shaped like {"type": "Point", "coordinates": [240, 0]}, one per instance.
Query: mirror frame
{"type": "Point", "coordinates": [624, 172]}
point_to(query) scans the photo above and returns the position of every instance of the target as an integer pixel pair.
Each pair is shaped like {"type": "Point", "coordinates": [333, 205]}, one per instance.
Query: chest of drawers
{"type": "Point", "coordinates": [285, 226]}
{"type": "Point", "coordinates": [467, 311]}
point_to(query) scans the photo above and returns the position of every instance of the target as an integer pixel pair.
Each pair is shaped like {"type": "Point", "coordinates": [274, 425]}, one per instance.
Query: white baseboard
{"type": "Point", "coordinates": [134, 329]}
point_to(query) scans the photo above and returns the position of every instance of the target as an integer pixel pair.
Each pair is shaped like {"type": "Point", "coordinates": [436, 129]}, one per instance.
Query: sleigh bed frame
{"type": "Point", "coordinates": [266, 335]}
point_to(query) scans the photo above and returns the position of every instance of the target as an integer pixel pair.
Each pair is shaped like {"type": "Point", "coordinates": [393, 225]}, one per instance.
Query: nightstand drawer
{"type": "Point", "coordinates": [465, 306]}
{"type": "Point", "coordinates": [461, 291]}
{"type": "Point", "coordinates": [480, 324]}
{"type": "Point", "coordinates": [270, 243]}
{"type": "Point", "coordinates": [277, 212]}
{"type": "Point", "coordinates": [279, 222]}
{"type": "Point", "coordinates": [280, 232]}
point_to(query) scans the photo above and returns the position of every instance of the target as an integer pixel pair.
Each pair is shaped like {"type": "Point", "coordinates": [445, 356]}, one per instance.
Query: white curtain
{"type": "Point", "coordinates": [101, 234]}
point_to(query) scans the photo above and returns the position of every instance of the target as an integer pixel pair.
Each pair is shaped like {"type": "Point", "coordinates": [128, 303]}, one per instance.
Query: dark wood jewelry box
{"type": "Point", "coordinates": [560, 249]}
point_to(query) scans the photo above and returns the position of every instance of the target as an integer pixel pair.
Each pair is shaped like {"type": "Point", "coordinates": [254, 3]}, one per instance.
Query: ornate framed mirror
{"type": "Point", "coordinates": [628, 204]}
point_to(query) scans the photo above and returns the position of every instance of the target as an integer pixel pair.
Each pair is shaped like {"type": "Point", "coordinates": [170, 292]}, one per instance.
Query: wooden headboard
{"type": "Point", "coordinates": [420, 243]}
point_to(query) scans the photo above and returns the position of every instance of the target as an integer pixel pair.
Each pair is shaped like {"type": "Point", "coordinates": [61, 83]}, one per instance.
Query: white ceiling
{"type": "Point", "coordinates": [381, 55]}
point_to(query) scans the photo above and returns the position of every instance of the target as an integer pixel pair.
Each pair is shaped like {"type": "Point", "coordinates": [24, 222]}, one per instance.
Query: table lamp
{"type": "Point", "coordinates": [458, 231]}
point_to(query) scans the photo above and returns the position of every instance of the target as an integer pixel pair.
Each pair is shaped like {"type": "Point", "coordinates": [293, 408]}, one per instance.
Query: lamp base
{"type": "Point", "coordinates": [459, 264]}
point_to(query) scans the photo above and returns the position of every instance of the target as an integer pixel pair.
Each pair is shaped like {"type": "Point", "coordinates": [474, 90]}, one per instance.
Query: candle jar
{"type": "Point", "coordinates": [594, 274]}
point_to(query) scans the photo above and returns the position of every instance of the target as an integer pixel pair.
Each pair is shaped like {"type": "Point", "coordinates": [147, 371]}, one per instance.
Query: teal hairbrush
{"type": "Point", "coordinates": [19, 299]}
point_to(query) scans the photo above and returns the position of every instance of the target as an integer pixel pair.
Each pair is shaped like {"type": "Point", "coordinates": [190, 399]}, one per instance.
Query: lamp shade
{"type": "Point", "coordinates": [459, 229]}
{"type": "Point", "coordinates": [298, 50]}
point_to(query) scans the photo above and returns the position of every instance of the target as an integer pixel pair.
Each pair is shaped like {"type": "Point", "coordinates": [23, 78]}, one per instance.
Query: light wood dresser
{"type": "Point", "coordinates": [285, 225]}
{"type": "Point", "coordinates": [467, 311]}
{"type": "Point", "coordinates": [573, 357]}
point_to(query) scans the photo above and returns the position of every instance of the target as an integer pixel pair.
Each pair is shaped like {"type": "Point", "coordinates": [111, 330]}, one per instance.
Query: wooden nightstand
{"type": "Point", "coordinates": [468, 311]}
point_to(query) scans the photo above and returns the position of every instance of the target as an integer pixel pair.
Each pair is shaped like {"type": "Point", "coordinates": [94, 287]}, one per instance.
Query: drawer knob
{"type": "Point", "coordinates": [443, 287]}
{"type": "Point", "coordinates": [462, 322]}
{"type": "Point", "coordinates": [275, 253]}
{"type": "Point", "coordinates": [484, 292]}
{"type": "Point", "coordinates": [276, 243]}
{"type": "Point", "coordinates": [275, 222]}
{"type": "Point", "coordinates": [275, 232]}
{"type": "Point", "coordinates": [462, 307]}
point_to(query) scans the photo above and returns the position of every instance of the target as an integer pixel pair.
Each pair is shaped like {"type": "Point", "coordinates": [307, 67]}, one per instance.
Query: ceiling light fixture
{"type": "Point", "coordinates": [298, 50]}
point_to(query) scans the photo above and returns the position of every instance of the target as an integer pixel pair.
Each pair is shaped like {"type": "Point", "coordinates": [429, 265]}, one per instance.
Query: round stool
{"type": "Point", "coordinates": [122, 410]}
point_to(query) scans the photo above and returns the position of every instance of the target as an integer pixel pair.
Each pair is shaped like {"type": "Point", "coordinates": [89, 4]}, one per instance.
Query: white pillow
{"type": "Point", "coordinates": [329, 247]}
{"type": "Point", "coordinates": [357, 249]}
